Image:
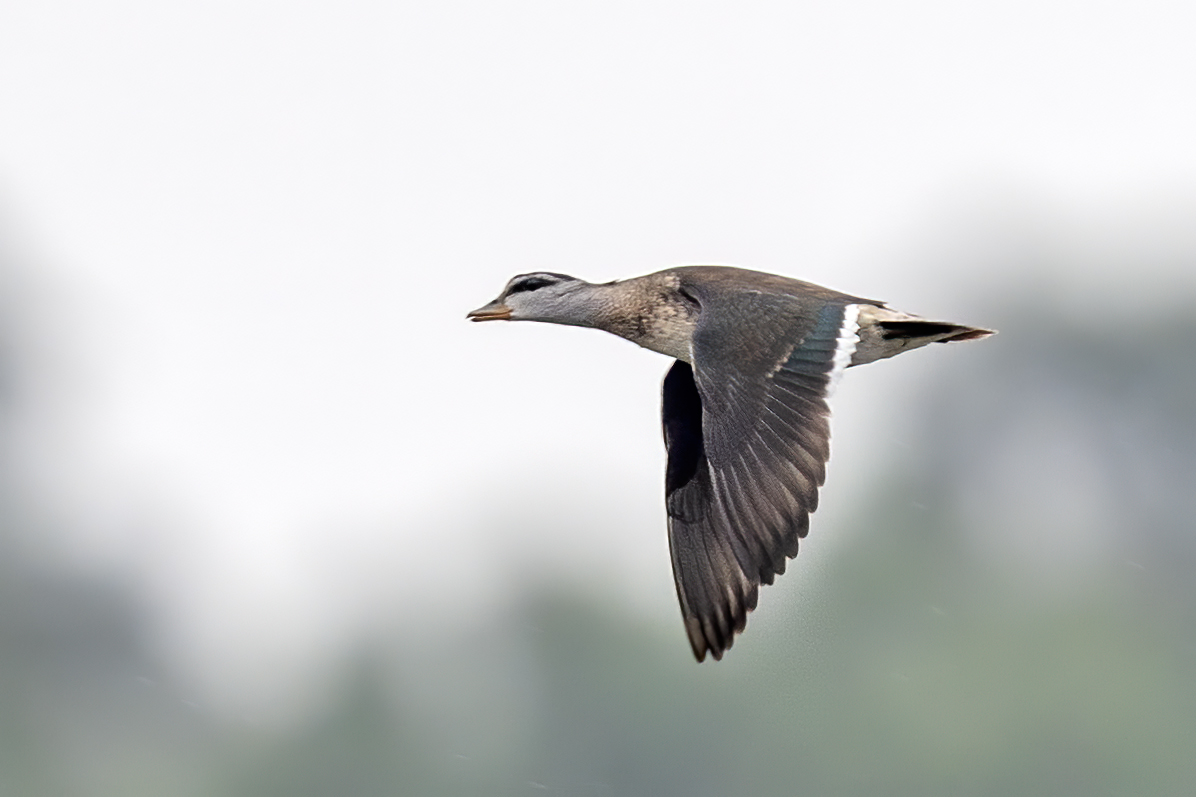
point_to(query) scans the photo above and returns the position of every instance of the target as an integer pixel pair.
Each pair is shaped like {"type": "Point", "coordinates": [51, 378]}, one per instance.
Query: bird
{"type": "Point", "coordinates": [744, 408]}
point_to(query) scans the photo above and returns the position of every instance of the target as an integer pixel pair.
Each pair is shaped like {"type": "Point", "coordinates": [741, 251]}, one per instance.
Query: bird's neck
{"type": "Point", "coordinates": [585, 305]}
{"type": "Point", "coordinates": [647, 311]}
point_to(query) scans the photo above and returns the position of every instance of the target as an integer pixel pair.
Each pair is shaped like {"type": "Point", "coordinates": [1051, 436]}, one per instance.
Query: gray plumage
{"type": "Point", "coordinates": [744, 409]}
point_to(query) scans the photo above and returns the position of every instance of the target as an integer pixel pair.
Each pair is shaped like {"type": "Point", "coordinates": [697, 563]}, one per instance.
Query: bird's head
{"type": "Point", "coordinates": [540, 296]}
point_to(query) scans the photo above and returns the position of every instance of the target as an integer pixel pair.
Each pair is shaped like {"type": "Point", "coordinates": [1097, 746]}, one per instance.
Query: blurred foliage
{"type": "Point", "coordinates": [917, 664]}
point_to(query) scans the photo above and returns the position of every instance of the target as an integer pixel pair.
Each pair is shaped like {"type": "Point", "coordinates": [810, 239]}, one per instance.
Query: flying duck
{"type": "Point", "coordinates": [744, 408]}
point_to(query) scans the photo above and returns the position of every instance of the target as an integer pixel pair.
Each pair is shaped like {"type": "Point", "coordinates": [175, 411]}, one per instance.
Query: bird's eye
{"type": "Point", "coordinates": [530, 284]}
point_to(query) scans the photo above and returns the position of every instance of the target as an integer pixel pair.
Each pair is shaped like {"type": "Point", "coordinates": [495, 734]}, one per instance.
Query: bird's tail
{"type": "Point", "coordinates": [885, 333]}
{"type": "Point", "coordinates": [930, 331]}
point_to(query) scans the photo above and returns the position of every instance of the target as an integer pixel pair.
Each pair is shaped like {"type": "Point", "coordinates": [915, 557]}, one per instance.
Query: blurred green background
{"type": "Point", "coordinates": [938, 653]}
{"type": "Point", "coordinates": [276, 520]}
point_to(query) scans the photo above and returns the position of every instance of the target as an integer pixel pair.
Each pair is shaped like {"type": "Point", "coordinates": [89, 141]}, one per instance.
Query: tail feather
{"type": "Point", "coordinates": [885, 333]}
{"type": "Point", "coordinates": [941, 332]}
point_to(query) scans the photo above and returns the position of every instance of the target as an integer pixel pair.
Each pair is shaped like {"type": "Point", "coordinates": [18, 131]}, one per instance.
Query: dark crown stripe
{"type": "Point", "coordinates": [531, 282]}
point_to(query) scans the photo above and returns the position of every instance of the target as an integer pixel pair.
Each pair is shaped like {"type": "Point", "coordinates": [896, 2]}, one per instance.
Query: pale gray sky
{"type": "Point", "coordinates": [253, 230]}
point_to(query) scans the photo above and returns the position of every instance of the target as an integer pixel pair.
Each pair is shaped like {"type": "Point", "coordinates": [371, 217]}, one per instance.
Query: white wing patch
{"type": "Point", "coordinates": [845, 346]}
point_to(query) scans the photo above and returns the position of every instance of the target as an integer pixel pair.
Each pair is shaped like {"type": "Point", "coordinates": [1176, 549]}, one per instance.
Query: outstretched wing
{"type": "Point", "coordinates": [748, 438]}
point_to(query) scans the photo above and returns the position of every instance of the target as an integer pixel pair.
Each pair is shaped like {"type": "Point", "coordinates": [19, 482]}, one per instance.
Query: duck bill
{"type": "Point", "coordinates": [495, 311]}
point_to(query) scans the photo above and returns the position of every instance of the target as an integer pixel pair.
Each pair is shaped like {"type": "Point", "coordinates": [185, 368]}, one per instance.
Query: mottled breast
{"type": "Point", "coordinates": [656, 315]}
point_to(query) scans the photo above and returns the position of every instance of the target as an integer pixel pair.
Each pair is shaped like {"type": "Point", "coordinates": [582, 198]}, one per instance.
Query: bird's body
{"type": "Point", "coordinates": [744, 408]}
